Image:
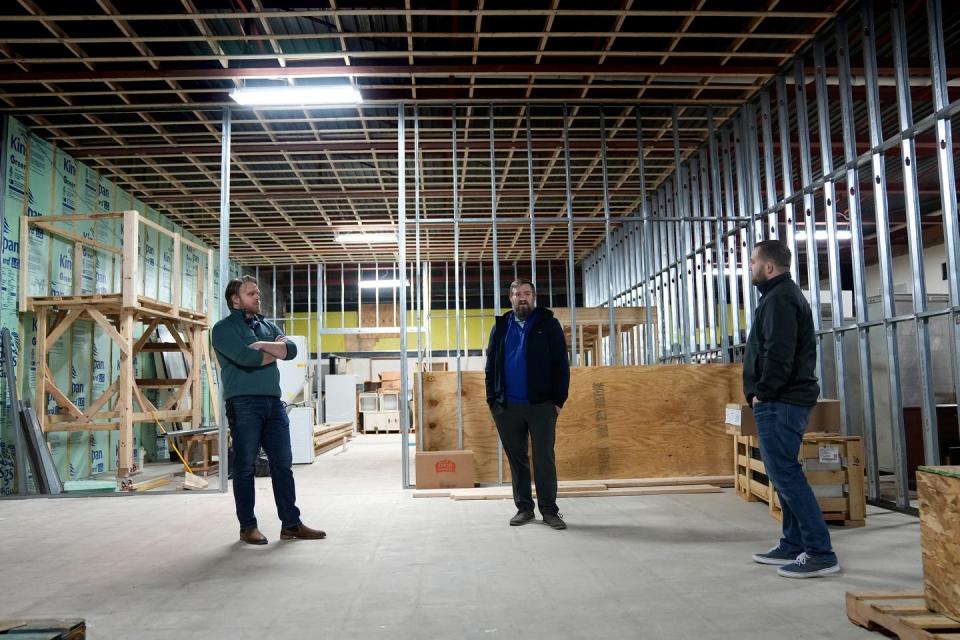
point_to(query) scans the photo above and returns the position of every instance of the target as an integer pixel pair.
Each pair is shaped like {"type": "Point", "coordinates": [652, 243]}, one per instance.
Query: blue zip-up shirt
{"type": "Point", "coordinates": [515, 359]}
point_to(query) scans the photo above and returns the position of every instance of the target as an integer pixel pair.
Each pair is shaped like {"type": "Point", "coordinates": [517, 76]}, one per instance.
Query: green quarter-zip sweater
{"type": "Point", "coordinates": [240, 367]}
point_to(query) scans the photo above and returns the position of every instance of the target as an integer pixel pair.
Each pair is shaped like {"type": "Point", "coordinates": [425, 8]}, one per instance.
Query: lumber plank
{"type": "Point", "coordinates": [431, 493]}
{"type": "Point", "coordinates": [153, 483]}
{"type": "Point", "coordinates": [506, 493]}
{"type": "Point", "coordinates": [101, 320]}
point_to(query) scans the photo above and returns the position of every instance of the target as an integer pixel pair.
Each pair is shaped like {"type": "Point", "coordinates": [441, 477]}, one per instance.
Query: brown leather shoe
{"type": "Point", "coordinates": [252, 536]}
{"type": "Point", "coordinates": [302, 532]}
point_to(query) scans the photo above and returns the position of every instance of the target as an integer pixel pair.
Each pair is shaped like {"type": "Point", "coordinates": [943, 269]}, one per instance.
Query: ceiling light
{"type": "Point", "coordinates": [382, 284]}
{"type": "Point", "coordinates": [821, 235]}
{"type": "Point", "coordinates": [280, 95]}
{"type": "Point", "coordinates": [365, 238]}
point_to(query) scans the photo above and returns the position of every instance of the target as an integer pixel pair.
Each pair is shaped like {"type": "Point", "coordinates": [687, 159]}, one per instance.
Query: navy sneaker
{"type": "Point", "coordinates": [777, 556]}
{"type": "Point", "coordinates": [809, 567]}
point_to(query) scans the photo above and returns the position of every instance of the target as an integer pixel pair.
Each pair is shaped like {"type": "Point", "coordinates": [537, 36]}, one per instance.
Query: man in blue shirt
{"type": "Point", "coordinates": [528, 377]}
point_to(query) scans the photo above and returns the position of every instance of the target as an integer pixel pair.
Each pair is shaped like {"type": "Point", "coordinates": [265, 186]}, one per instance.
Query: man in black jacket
{"type": "Point", "coordinates": [528, 377]}
{"type": "Point", "coordinates": [780, 384]}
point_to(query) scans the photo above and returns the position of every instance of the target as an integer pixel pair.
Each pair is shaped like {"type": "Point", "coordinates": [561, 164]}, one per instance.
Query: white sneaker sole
{"type": "Point", "coordinates": [759, 559]}
{"type": "Point", "coordinates": [809, 574]}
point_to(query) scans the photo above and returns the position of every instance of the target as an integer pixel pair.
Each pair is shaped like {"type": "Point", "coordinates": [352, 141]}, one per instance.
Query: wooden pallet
{"type": "Point", "coordinates": [44, 629]}
{"type": "Point", "coordinates": [905, 615]}
{"type": "Point", "coordinates": [752, 484]}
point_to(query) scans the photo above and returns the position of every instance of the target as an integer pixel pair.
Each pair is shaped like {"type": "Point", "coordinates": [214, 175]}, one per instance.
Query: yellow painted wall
{"type": "Point", "coordinates": [477, 330]}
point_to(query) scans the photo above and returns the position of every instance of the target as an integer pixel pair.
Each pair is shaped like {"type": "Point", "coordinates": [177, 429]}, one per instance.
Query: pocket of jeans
{"type": "Point", "coordinates": [764, 408]}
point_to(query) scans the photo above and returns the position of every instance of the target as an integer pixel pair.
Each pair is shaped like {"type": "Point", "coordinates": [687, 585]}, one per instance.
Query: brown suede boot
{"type": "Point", "coordinates": [302, 532]}
{"type": "Point", "coordinates": [252, 536]}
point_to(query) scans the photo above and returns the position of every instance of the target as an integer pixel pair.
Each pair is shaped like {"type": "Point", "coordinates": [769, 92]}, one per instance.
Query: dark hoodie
{"type": "Point", "coordinates": [548, 369]}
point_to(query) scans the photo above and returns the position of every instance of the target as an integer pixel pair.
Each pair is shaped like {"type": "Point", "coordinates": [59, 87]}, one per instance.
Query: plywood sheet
{"type": "Point", "coordinates": [619, 422]}
{"type": "Point", "coordinates": [939, 492]}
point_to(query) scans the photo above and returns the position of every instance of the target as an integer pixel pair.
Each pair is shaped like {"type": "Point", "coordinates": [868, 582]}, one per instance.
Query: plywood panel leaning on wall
{"type": "Point", "coordinates": [939, 491]}
{"type": "Point", "coordinates": [619, 422]}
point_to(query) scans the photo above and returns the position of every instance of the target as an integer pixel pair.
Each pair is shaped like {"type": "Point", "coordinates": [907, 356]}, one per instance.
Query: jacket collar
{"type": "Point", "coordinates": [770, 284]}
{"type": "Point", "coordinates": [240, 315]}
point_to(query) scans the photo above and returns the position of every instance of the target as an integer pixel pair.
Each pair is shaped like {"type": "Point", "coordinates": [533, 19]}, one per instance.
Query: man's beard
{"type": "Point", "coordinates": [758, 279]}
{"type": "Point", "coordinates": [522, 311]}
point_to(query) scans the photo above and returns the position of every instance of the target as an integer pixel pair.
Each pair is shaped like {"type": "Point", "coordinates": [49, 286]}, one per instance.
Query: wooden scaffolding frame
{"type": "Point", "coordinates": [117, 314]}
{"type": "Point", "coordinates": [593, 324]}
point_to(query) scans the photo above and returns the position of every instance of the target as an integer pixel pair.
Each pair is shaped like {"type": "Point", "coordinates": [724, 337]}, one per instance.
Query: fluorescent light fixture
{"type": "Point", "coordinates": [382, 284]}
{"type": "Point", "coordinates": [821, 235]}
{"type": "Point", "coordinates": [280, 95]}
{"type": "Point", "coordinates": [365, 238]}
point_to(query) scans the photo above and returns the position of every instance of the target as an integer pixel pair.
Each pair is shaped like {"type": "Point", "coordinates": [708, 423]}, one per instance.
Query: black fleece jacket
{"type": "Point", "coordinates": [781, 355]}
{"type": "Point", "coordinates": [548, 368]}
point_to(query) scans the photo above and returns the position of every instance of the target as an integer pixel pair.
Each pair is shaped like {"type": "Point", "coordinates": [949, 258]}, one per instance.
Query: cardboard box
{"type": "Point", "coordinates": [825, 418]}
{"type": "Point", "coordinates": [444, 469]}
{"type": "Point", "coordinates": [390, 381]}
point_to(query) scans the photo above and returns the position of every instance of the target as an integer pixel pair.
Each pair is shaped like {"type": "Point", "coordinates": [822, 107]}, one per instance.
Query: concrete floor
{"type": "Point", "coordinates": [396, 567]}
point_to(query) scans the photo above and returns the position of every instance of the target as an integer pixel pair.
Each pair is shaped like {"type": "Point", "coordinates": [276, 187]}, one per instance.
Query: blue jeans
{"type": "Point", "coordinates": [257, 421]}
{"type": "Point", "coordinates": [780, 427]}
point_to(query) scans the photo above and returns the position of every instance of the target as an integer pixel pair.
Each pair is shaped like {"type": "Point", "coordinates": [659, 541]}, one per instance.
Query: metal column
{"type": "Point", "coordinates": [420, 280]}
{"type": "Point", "coordinates": [856, 250]}
{"type": "Point", "coordinates": [878, 166]}
{"type": "Point", "coordinates": [531, 202]}
{"type": "Point", "coordinates": [723, 339]}
{"type": "Point", "coordinates": [571, 264]}
{"type": "Point", "coordinates": [810, 216]}
{"type": "Point", "coordinates": [225, 137]}
{"type": "Point", "coordinates": [456, 276]}
{"type": "Point", "coordinates": [612, 355]}
{"type": "Point", "coordinates": [684, 267]}
{"type": "Point", "coordinates": [496, 259]}
{"type": "Point", "coordinates": [948, 185]}
{"type": "Point", "coordinates": [401, 272]}
{"type": "Point", "coordinates": [908, 154]}
{"type": "Point", "coordinates": [833, 246]}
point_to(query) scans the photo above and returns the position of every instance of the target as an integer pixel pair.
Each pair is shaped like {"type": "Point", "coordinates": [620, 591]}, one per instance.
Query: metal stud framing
{"type": "Point", "coordinates": [656, 201]}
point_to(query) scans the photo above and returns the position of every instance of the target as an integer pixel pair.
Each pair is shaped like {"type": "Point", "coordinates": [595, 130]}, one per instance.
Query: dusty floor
{"type": "Point", "coordinates": [396, 567]}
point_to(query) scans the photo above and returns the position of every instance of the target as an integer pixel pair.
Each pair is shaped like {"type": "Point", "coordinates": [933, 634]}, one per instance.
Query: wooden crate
{"type": "Point", "coordinates": [849, 510]}
{"type": "Point", "coordinates": [938, 489]}
{"type": "Point", "coordinates": [618, 422]}
{"type": "Point", "coordinates": [904, 615]}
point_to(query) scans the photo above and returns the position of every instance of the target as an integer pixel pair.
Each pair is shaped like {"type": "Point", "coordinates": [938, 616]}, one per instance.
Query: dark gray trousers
{"type": "Point", "coordinates": [538, 421]}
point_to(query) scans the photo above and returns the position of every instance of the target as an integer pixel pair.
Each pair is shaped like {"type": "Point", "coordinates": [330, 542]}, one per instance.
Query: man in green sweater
{"type": "Point", "coordinates": [248, 348]}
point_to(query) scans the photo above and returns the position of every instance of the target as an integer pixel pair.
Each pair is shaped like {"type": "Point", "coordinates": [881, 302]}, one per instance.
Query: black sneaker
{"type": "Point", "coordinates": [554, 521]}
{"type": "Point", "coordinates": [776, 556]}
{"type": "Point", "coordinates": [522, 518]}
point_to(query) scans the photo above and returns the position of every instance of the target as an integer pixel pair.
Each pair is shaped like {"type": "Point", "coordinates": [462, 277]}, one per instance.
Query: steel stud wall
{"type": "Point", "coordinates": [775, 161]}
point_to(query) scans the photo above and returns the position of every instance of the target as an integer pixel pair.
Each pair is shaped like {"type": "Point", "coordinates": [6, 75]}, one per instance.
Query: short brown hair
{"type": "Point", "coordinates": [233, 288]}
{"type": "Point", "coordinates": [775, 251]}
{"type": "Point", "coordinates": [519, 282]}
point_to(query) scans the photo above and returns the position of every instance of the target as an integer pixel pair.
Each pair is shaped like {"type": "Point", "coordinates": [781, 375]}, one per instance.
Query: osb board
{"type": "Point", "coordinates": [938, 489]}
{"type": "Point", "coordinates": [619, 422]}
